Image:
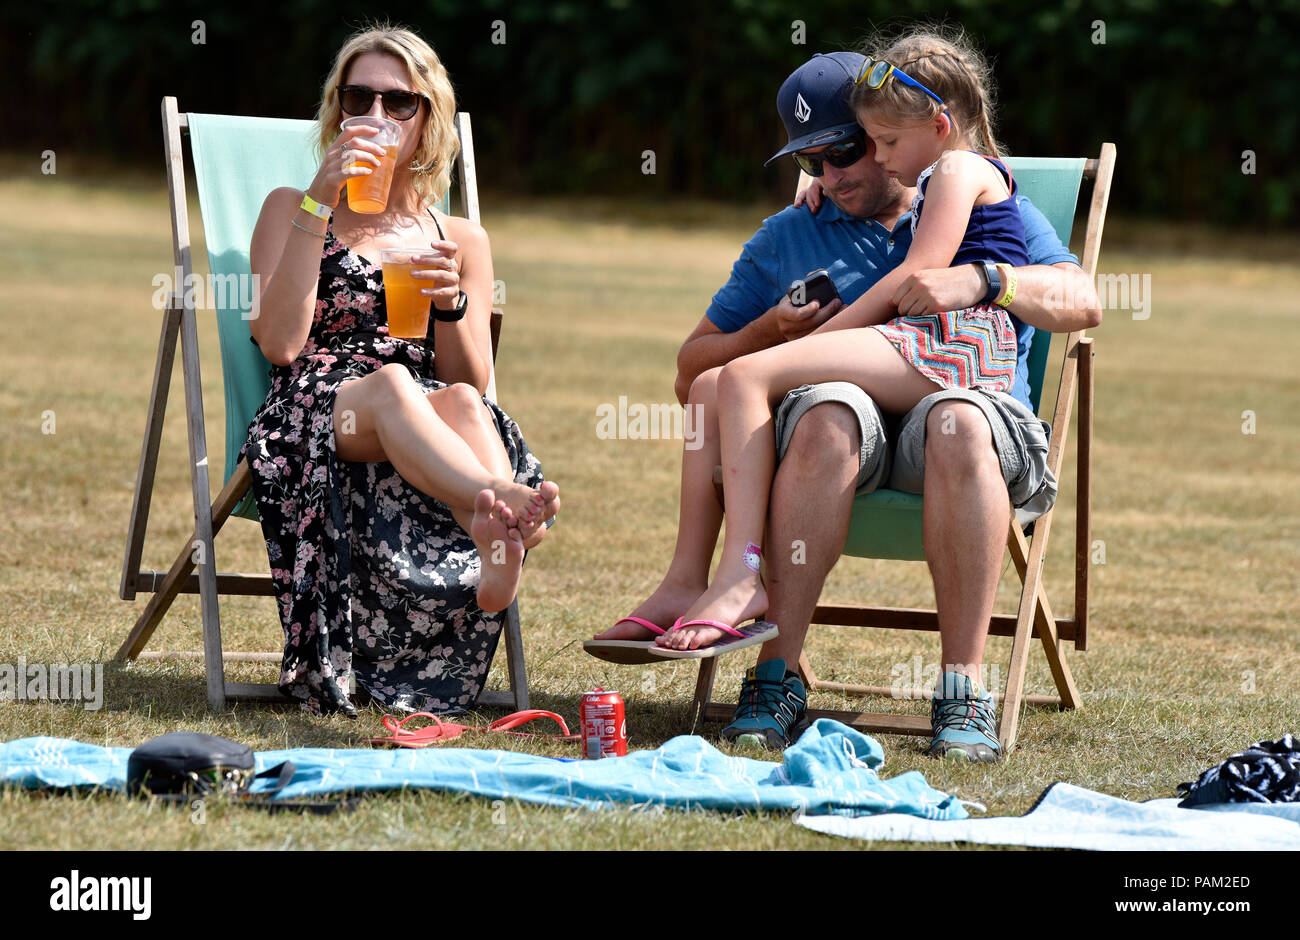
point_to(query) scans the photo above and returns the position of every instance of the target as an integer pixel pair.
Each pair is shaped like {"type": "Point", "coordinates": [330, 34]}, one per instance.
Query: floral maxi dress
{"type": "Point", "coordinates": [374, 579]}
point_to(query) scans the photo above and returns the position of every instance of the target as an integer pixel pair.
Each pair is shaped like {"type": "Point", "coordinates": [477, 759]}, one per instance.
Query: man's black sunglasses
{"type": "Point", "coordinates": [398, 105]}
{"type": "Point", "coordinates": [841, 155]}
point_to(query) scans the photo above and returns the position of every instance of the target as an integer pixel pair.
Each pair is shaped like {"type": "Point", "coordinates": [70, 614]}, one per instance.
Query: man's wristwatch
{"type": "Point", "coordinates": [993, 279]}
{"type": "Point", "coordinates": [455, 313]}
{"type": "Point", "coordinates": [1009, 288]}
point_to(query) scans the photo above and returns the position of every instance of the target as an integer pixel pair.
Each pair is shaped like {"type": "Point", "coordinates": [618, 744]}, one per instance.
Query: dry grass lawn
{"type": "Point", "coordinates": [1193, 645]}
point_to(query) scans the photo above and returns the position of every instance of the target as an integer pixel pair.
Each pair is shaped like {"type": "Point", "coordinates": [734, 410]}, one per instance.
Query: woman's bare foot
{"type": "Point", "coordinates": [500, 552]}
{"type": "Point", "coordinates": [668, 602]}
{"type": "Point", "coordinates": [550, 494]}
{"type": "Point", "coordinates": [536, 538]}
{"type": "Point", "coordinates": [549, 491]}
{"type": "Point", "coordinates": [734, 597]}
{"type": "Point", "coordinates": [523, 506]}
{"type": "Point", "coordinates": [527, 509]}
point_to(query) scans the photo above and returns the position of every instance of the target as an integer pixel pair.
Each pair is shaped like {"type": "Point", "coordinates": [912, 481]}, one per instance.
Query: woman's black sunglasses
{"type": "Point", "coordinates": [841, 155]}
{"type": "Point", "coordinates": [398, 105]}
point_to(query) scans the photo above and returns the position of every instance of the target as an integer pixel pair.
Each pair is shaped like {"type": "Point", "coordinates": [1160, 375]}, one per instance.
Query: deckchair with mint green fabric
{"type": "Point", "coordinates": [237, 162]}
{"type": "Point", "coordinates": [887, 523]}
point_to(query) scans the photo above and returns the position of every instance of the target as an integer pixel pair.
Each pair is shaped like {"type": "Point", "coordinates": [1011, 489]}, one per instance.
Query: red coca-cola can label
{"type": "Point", "coordinates": [604, 727]}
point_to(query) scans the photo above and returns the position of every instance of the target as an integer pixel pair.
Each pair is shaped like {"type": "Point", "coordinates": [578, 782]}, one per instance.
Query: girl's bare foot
{"type": "Point", "coordinates": [734, 597]}
{"type": "Point", "coordinates": [500, 551]}
{"type": "Point", "coordinates": [668, 602]}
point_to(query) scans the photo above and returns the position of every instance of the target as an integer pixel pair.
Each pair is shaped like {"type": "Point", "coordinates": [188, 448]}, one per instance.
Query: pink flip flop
{"type": "Point", "coordinates": [738, 638]}
{"type": "Point", "coordinates": [441, 730]}
{"type": "Point", "coordinates": [626, 652]}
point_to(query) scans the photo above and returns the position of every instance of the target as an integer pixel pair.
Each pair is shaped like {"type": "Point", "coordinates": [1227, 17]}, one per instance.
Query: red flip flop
{"type": "Point", "coordinates": [509, 722]}
{"type": "Point", "coordinates": [421, 737]}
{"type": "Point", "coordinates": [441, 730]}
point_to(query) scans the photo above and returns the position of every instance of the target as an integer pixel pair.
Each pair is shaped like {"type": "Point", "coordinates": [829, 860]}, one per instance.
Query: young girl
{"type": "Point", "coordinates": [924, 103]}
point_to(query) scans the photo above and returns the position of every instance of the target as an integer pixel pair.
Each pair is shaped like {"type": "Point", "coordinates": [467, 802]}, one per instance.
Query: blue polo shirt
{"type": "Point", "coordinates": [856, 253]}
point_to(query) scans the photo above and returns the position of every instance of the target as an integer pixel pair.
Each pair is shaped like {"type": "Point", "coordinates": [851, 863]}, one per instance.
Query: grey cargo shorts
{"type": "Point", "coordinates": [892, 451]}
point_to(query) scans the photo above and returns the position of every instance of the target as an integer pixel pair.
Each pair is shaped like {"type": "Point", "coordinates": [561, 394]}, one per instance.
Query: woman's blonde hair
{"type": "Point", "coordinates": [433, 158]}
{"type": "Point", "coordinates": [945, 62]}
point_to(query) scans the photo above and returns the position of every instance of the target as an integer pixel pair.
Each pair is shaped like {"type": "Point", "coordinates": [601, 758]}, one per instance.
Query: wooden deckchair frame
{"type": "Point", "coordinates": [207, 582]}
{"type": "Point", "coordinates": [1034, 615]}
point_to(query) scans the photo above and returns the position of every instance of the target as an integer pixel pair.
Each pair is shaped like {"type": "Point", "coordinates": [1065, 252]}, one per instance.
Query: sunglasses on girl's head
{"type": "Point", "coordinates": [398, 105]}
{"type": "Point", "coordinates": [875, 73]}
{"type": "Point", "coordinates": [841, 155]}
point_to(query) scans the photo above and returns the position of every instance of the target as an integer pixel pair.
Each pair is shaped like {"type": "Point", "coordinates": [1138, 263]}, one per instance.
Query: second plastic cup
{"type": "Point", "coordinates": [369, 193]}
{"type": "Point", "coordinates": [408, 309]}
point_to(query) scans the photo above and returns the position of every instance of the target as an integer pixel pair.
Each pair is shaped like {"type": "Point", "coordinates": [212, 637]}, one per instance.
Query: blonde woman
{"type": "Point", "coordinates": [397, 503]}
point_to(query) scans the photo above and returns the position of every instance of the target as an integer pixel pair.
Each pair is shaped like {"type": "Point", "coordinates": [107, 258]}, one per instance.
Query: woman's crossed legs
{"type": "Point", "coordinates": [445, 444]}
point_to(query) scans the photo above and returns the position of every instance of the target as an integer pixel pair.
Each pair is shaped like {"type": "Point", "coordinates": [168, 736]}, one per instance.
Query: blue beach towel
{"type": "Point", "coordinates": [831, 770]}
{"type": "Point", "coordinates": [1071, 817]}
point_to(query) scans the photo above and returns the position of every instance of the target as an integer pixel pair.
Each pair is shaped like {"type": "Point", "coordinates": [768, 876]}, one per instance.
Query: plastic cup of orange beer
{"type": "Point", "coordinates": [408, 309]}
{"type": "Point", "coordinates": [369, 193]}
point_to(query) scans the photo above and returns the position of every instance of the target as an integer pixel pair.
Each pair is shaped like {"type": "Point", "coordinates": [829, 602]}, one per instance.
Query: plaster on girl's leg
{"type": "Point", "coordinates": [735, 596]}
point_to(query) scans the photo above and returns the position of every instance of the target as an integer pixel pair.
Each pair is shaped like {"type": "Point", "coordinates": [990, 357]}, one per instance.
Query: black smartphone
{"type": "Point", "coordinates": [816, 285]}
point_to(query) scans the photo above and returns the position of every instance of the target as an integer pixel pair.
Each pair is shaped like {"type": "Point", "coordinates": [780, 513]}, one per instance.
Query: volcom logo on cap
{"type": "Point", "coordinates": [801, 110]}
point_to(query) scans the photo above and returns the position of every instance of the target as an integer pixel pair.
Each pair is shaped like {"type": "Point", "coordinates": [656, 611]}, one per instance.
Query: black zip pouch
{"type": "Point", "coordinates": [183, 765]}
{"type": "Point", "coordinates": [186, 762]}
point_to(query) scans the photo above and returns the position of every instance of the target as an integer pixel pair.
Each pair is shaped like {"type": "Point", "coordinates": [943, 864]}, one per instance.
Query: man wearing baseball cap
{"type": "Point", "coordinates": [976, 452]}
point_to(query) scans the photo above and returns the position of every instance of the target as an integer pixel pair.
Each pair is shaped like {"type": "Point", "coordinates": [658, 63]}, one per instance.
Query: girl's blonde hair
{"type": "Point", "coordinates": [433, 158]}
{"type": "Point", "coordinates": [945, 62]}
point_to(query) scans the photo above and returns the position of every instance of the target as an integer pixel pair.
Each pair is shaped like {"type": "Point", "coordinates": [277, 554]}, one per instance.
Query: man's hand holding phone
{"type": "Point", "coordinates": [808, 303]}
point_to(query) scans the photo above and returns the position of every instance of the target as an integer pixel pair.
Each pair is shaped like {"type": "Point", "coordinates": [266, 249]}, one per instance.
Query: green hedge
{"type": "Point", "coordinates": [579, 90]}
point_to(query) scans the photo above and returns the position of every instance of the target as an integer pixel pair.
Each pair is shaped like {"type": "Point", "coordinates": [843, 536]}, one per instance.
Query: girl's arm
{"type": "Point", "coordinates": [959, 181]}
{"type": "Point", "coordinates": [463, 349]}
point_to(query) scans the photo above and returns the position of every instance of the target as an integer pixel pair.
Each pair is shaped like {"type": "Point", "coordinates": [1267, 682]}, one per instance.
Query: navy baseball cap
{"type": "Point", "coordinates": [814, 101]}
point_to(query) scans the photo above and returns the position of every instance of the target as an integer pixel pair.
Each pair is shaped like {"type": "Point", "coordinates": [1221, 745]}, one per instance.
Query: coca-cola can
{"type": "Point", "coordinates": [604, 727]}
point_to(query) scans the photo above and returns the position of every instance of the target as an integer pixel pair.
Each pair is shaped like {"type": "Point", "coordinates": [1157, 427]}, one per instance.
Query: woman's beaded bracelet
{"type": "Point", "coordinates": [294, 223]}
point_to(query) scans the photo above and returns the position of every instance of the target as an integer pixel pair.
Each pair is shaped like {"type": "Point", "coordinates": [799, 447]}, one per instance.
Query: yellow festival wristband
{"type": "Point", "coordinates": [1008, 286]}
{"type": "Point", "coordinates": [309, 204]}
